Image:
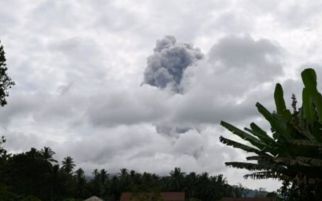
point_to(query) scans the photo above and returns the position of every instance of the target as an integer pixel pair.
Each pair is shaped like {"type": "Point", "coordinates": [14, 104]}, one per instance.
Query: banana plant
{"type": "Point", "coordinates": [292, 149]}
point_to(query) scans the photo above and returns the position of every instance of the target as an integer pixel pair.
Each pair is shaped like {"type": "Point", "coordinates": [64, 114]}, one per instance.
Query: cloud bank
{"type": "Point", "coordinates": [78, 68]}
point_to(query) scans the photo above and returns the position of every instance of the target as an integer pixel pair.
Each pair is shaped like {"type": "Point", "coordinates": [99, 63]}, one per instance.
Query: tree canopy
{"type": "Point", "coordinates": [35, 174]}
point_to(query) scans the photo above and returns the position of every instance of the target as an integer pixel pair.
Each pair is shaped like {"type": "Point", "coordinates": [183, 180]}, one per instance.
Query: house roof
{"type": "Point", "coordinates": [93, 198]}
{"type": "Point", "coordinates": [166, 196]}
{"type": "Point", "coordinates": [246, 199]}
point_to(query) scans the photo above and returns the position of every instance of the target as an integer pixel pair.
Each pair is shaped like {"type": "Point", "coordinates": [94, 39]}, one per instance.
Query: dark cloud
{"type": "Point", "coordinates": [165, 68]}
{"type": "Point", "coordinates": [171, 130]}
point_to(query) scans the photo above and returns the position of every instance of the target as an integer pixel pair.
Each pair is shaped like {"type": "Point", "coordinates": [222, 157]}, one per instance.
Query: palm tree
{"type": "Point", "coordinates": [80, 183]}
{"type": "Point", "coordinates": [124, 173]}
{"type": "Point", "coordinates": [177, 177]}
{"type": "Point", "coordinates": [292, 151]}
{"type": "Point", "coordinates": [103, 176]}
{"type": "Point", "coordinates": [68, 165]}
{"type": "Point", "coordinates": [47, 153]}
{"type": "Point", "coordinates": [190, 183]}
{"type": "Point", "coordinates": [55, 181]}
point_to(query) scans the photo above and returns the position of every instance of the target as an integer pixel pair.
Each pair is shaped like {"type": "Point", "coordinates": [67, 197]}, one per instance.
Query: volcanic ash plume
{"type": "Point", "coordinates": [166, 66]}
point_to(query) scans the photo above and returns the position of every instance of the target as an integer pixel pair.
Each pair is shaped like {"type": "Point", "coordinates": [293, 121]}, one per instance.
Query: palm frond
{"type": "Point", "coordinates": [264, 175]}
{"type": "Point", "coordinates": [239, 145]}
{"type": "Point", "coordinates": [245, 136]}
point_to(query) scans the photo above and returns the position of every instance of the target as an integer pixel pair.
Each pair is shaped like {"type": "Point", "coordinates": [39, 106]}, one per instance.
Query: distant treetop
{"type": "Point", "coordinates": [5, 80]}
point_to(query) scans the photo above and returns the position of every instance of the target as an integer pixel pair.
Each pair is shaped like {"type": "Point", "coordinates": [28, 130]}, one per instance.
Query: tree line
{"type": "Point", "coordinates": [36, 175]}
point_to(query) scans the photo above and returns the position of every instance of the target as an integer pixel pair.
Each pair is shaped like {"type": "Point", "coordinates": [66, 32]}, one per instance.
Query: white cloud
{"type": "Point", "coordinates": [78, 66]}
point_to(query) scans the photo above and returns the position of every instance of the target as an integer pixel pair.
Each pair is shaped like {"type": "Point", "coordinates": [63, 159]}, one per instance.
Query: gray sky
{"type": "Point", "coordinates": [143, 84]}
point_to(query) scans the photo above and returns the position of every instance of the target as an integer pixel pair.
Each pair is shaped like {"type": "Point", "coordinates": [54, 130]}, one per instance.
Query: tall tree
{"type": "Point", "coordinates": [47, 153]}
{"type": "Point", "coordinates": [5, 84]}
{"type": "Point", "coordinates": [28, 174]}
{"type": "Point", "coordinates": [80, 183]}
{"type": "Point", "coordinates": [176, 176]}
{"type": "Point", "coordinates": [5, 81]}
{"type": "Point", "coordinates": [68, 165]}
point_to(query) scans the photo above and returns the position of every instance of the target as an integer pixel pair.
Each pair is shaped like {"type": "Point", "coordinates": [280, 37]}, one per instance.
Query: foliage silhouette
{"type": "Point", "coordinates": [5, 80]}
{"type": "Point", "coordinates": [36, 174]}
{"type": "Point", "coordinates": [292, 152]}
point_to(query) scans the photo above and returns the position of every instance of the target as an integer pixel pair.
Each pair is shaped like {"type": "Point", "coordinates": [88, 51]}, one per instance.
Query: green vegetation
{"type": "Point", "coordinates": [35, 175]}
{"type": "Point", "coordinates": [291, 152]}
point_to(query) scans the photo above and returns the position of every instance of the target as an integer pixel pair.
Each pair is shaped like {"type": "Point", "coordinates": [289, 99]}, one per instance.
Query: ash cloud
{"type": "Point", "coordinates": [165, 68]}
{"type": "Point", "coordinates": [170, 130]}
